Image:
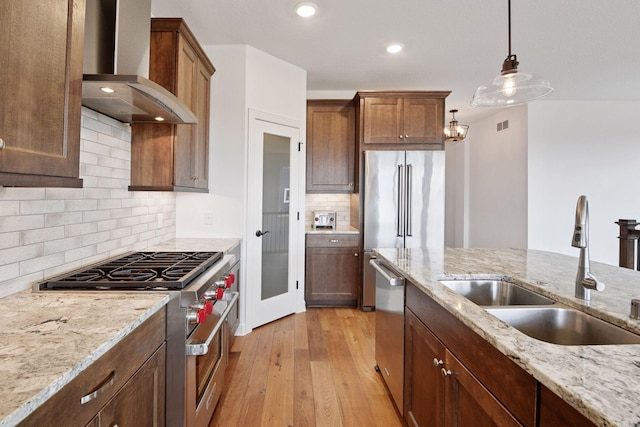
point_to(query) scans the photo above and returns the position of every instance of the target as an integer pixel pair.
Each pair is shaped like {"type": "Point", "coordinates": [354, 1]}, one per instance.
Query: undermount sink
{"type": "Point", "coordinates": [495, 292]}
{"type": "Point", "coordinates": [564, 326]}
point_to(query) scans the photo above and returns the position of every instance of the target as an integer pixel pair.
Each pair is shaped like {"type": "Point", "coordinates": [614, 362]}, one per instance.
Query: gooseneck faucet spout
{"type": "Point", "coordinates": [585, 281]}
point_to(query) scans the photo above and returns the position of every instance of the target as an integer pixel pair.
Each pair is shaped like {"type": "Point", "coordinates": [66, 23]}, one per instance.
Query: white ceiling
{"type": "Point", "coordinates": [587, 49]}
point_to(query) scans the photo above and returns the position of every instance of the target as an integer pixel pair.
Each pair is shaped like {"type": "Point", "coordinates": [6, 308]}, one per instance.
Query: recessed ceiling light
{"type": "Point", "coordinates": [395, 47]}
{"type": "Point", "coordinates": [160, 119]}
{"type": "Point", "coordinates": [306, 9]}
{"type": "Point", "coordinates": [107, 89]}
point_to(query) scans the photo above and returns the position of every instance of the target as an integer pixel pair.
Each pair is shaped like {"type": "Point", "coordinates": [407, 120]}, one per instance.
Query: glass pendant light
{"type": "Point", "coordinates": [455, 132]}
{"type": "Point", "coordinates": [511, 87]}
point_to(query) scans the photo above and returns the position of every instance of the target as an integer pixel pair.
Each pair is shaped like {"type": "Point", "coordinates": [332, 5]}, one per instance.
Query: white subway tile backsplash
{"type": "Point", "coordinates": [20, 222]}
{"type": "Point", "coordinates": [41, 235]}
{"type": "Point", "coordinates": [45, 232]}
{"type": "Point", "coordinates": [52, 220]}
{"type": "Point", "coordinates": [30, 207]}
{"type": "Point", "coordinates": [80, 205]}
{"type": "Point", "coordinates": [41, 263]}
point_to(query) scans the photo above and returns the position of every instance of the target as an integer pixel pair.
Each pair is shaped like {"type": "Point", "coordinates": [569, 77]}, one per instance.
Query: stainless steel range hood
{"type": "Point", "coordinates": [116, 66]}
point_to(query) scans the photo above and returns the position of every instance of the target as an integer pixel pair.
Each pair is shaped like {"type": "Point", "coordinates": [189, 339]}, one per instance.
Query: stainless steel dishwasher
{"type": "Point", "coordinates": [390, 329]}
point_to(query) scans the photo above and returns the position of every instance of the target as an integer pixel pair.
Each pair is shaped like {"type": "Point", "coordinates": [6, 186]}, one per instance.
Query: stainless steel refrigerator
{"type": "Point", "coordinates": [403, 205]}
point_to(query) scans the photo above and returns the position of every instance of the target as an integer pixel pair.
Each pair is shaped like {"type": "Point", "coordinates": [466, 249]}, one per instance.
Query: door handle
{"type": "Point", "coordinates": [401, 212]}
{"type": "Point", "coordinates": [261, 233]}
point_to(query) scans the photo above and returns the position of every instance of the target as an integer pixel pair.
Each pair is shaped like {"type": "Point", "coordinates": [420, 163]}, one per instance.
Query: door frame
{"type": "Point", "coordinates": [296, 248]}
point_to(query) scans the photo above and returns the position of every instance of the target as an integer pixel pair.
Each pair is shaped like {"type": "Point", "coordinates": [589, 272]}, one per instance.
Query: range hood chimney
{"type": "Point", "coordinates": [116, 66]}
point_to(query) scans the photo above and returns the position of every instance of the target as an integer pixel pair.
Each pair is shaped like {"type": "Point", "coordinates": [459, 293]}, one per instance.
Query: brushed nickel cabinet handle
{"type": "Point", "coordinates": [103, 387]}
{"type": "Point", "coordinates": [446, 372]}
{"type": "Point", "coordinates": [2, 145]}
{"type": "Point", "coordinates": [437, 362]}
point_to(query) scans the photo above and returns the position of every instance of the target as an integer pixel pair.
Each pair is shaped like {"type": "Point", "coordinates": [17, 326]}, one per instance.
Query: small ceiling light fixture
{"type": "Point", "coordinates": [511, 87]}
{"type": "Point", "coordinates": [306, 9]}
{"type": "Point", "coordinates": [455, 132]}
{"type": "Point", "coordinates": [107, 89]}
{"type": "Point", "coordinates": [159, 119]}
{"type": "Point", "coordinates": [395, 47]}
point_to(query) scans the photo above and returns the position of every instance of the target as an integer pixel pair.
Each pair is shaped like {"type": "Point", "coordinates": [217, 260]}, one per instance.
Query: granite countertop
{"type": "Point", "coordinates": [49, 338]}
{"type": "Point", "coordinates": [340, 229]}
{"type": "Point", "coordinates": [602, 382]}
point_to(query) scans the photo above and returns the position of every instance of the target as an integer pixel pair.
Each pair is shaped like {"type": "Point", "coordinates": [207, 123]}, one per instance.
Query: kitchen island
{"type": "Point", "coordinates": [601, 382]}
{"type": "Point", "coordinates": [48, 339]}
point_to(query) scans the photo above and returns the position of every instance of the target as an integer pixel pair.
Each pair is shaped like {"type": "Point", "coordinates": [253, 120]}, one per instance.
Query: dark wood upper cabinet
{"type": "Point", "coordinates": [331, 146]}
{"type": "Point", "coordinates": [399, 120]}
{"type": "Point", "coordinates": [41, 92]}
{"type": "Point", "coordinates": [168, 157]}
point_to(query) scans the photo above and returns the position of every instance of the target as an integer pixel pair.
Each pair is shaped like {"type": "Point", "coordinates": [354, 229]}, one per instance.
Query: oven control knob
{"type": "Point", "coordinates": [229, 279]}
{"type": "Point", "coordinates": [208, 307]}
{"type": "Point", "coordinates": [196, 315]}
{"type": "Point", "coordinates": [219, 293]}
{"type": "Point", "coordinates": [201, 316]}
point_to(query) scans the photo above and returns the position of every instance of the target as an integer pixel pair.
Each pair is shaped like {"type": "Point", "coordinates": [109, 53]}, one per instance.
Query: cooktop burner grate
{"type": "Point", "coordinates": [139, 270]}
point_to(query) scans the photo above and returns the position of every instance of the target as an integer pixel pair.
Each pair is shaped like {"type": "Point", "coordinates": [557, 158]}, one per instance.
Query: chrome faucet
{"type": "Point", "coordinates": [585, 281]}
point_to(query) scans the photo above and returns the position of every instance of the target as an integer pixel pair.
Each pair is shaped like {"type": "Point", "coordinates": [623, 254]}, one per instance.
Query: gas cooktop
{"type": "Point", "coordinates": [137, 271]}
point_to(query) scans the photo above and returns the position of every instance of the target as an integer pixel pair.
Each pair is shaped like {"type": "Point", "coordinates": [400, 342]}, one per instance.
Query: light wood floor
{"type": "Point", "coordinates": [309, 369]}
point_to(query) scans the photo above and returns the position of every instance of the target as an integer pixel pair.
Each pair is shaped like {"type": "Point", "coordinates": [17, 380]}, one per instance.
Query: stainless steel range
{"type": "Point", "coordinates": [202, 316]}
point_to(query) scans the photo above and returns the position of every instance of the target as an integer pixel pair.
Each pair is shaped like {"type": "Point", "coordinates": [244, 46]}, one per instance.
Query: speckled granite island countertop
{"type": "Point", "coordinates": [602, 382]}
{"type": "Point", "coordinates": [47, 339]}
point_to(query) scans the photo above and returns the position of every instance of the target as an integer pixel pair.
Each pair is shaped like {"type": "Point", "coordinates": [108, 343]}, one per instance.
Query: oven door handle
{"type": "Point", "coordinates": [201, 347]}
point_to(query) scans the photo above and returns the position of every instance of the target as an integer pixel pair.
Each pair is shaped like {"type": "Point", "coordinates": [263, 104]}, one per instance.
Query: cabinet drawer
{"type": "Point", "coordinates": [104, 378]}
{"type": "Point", "coordinates": [333, 240]}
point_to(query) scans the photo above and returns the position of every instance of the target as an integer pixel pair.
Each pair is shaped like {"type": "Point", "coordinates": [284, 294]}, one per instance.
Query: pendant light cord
{"type": "Point", "coordinates": [509, 9]}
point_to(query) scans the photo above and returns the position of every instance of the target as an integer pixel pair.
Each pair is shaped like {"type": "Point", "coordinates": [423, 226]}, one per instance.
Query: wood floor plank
{"type": "Point", "coordinates": [304, 414]}
{"type": "Point", "coordinates": [325, 398]}
{"type": "Point", "coordinates": [352, 397]}
{"type": "Point", "coordinates": [274, 380]}
{"type": "Point", "coordinates": [278, 405]}
{"type": "Point", "coordinates": [301, 337]}
{"type": "Point", "coordinates": [256, 387]}
{"type": "Point", "coordinates": [317, 350]}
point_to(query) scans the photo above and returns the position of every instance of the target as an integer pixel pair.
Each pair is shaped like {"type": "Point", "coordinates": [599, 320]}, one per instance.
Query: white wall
{"type": "Point", "coordinates": [589, 148]}
{"type": "Point", "coordinates": [245, 78]}
{"type": "Point", "coordinates": [497, 181]}
{"type": "Point", "coordinates": [221, 212]}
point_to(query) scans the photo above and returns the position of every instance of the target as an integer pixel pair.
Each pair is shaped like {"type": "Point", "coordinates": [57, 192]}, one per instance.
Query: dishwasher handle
{"type": "Point", "coordinates": [391, 277]}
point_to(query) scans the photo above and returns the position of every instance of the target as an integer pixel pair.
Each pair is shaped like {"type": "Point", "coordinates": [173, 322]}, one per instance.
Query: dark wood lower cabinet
{"type": "Point", "coordinates": [453, 377]}
{"type": "Point", "coordinates": [424, 386]}
{"type": "Point", "coordinates": [468, 402]}
{"type": "Point", "coordinates": [332, 273]}
{"type": "Point", "coordinates": [439, 390]}
{"type": "Point", "coordinates": [556, 412]}
{"type": "Point", "coordinates": [141, 401]}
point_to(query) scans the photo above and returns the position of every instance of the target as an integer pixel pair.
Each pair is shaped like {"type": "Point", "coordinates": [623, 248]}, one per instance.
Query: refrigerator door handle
{"type": "Point", "coordinates": [408, 205]}
{"type": "Point", "coordinates": [401, 206]}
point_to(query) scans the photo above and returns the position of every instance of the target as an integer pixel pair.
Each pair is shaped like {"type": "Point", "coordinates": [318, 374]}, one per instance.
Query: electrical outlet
{"type": "Point", "coordinates": [160, 220]}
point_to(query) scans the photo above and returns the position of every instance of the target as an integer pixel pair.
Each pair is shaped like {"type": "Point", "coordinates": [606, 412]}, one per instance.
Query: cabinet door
{"type": "Point", "coordinates": [200, 152]}
{"type": "Point", "coordinates": [332, 276]}
{"type": "Point", "coordinates": [382, 121]}
{"type": "Point", "coordinates": [331, 146]}
{"type": "Point", "coordinates": [186, 135]}
{"type": "Point", "coordinates": [556, 412]}
{"type": "Point", "coordinates": [424, 383]}
{"type": "Point", "coordinates": [141, 401]}
{"type": "Point", "coordinates": [468, 402]}
{"type": "Point", "coordinates": [422, 120]}
{"type": "Point", "coordinates": [40, 92]}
